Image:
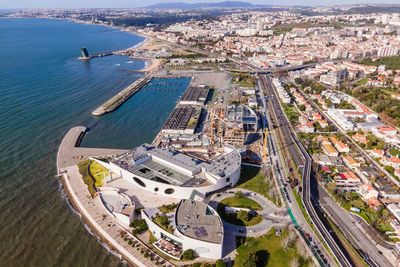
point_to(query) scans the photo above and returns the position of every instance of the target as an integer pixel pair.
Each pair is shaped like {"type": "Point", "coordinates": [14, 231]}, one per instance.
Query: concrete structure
{"type": "Point", "coordinates": [197, 226]}
{"type": "Point", "coordinates": [340, 119]}
{"type": "Point", "coordinates": [195, 96]}
{"type": "Point", "coordinates": [84, 53]}
{"type": "Point", "coordinates": [175, 174]}
{"type": "Point", "coordinates": [118, 204]}
{"type": "Point", "coordinates": [122, 96]}
{"type": "Point", "coordinates": [183, 120]}
{"type": "Point", "coordinates": [92, 211]}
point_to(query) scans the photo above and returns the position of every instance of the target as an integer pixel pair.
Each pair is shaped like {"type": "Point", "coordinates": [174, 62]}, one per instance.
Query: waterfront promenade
{"type": "Point", "coordinates": [92, 211]}
{"type": "Point", "coordinates": [69, 152]}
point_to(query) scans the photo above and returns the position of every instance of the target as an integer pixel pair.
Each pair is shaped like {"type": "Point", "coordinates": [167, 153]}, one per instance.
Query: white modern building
{"type": "Point", "coordinates": [340, 119]}
{"type": "Point", "coordinates": [196, 226]}
{"type": "Point", "coordinates": [283, 94]}
{"type": "Point", "coordinates": [176, 174]}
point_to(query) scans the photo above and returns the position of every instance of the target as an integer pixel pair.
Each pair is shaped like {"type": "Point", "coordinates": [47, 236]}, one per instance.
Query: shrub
{"type": "Point", "coordinates": [168, 208]}
{"type": "Point", "coordinates": [189, 255]}
{"type": "Point", "coordinates": [243, 215]}
{"type": "Point", "coordinates": [220, 263]}
{"type": "Point", "coordinates": [138, 226]}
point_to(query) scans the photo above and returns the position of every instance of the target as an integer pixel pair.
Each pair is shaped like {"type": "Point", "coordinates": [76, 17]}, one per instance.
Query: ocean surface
{"type": "Point", "coordinates": [44, 91]}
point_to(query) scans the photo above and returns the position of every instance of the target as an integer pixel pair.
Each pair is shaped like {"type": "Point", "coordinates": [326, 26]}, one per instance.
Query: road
{"type": "Point", "coordinates": [281, 174]}
{"type": "Point", "coordinates": [367, 248]}
{"type": "Point", "coordinates": [304, 161]}
{"type": "Point", "coordinates": [357, 237]}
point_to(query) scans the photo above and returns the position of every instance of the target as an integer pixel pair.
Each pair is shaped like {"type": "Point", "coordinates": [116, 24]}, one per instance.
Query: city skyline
{"type": "Point", "coordinates": [137, 4]}
{"type": "Point", "coordinates": [217, 132]}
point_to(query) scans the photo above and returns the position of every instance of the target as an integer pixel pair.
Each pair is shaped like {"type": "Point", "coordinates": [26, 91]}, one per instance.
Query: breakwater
{"type": "Point", "coordinates": [115, 101]}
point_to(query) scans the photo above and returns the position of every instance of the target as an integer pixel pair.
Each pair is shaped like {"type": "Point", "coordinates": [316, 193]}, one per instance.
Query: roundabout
{"type": "Point", "coordinates": [246, 213]}
{"type": "Point", "coordinates": [240, 210]}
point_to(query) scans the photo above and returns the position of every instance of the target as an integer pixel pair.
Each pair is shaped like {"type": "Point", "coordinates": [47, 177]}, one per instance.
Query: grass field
{"type": "Point", "coordinates": [392, 63]}
{"type": "Point", "coordinates": [291, 113]}
{"type": "Point", "coordinates": [87, 179]}
{"type": "Point", "coordinates": [251, 178]}
{"type": "Point", "coordinates": [394, 152]}
{"type": "Point", "coordinates": [271, 251]}
{"type": "Point", "coordinates": [98, 172]}
{"type": "Point", "coordinates": [241, 202]}
{"type": "Point", "coordinates": [234, 219]}
{"type": "Point", "coordinates": [93, 174]}
{"type": "Point", "coordinates": [244, 79]}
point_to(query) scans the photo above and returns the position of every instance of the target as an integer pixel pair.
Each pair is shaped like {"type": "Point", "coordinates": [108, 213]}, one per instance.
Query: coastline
{"type": "Point", "coordinates": [91, 211]}
{"type": "Point", "coordinates": [150, 63]}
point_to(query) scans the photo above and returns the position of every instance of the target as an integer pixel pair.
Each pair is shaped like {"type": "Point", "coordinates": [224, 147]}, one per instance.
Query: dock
{"type": "Point", "coordinates": [115, 101]}
{"type": "Point", "coordinates": [70, 153]}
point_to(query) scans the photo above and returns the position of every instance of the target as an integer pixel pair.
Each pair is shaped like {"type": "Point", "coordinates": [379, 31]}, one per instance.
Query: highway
{"type": "Point", "coordinates": [304, 162]}
{"type": "Point", "coordinates": [365, 245]}
{"type": "Point", "coordinates": [281, 173]}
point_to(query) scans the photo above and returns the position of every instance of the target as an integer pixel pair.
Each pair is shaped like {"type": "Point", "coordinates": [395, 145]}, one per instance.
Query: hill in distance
{"type": "Point", "coordinates": [225, 4]}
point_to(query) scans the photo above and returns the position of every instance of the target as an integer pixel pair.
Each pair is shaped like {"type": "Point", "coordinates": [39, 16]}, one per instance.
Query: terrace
{"type": "Point", "coordinates": [116, 202]}
{"type": "Point", "coordinates": [170, 247]}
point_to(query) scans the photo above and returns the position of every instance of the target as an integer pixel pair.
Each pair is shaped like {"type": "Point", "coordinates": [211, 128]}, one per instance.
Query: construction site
{"type": "Point", "coordinates": [207, 118]}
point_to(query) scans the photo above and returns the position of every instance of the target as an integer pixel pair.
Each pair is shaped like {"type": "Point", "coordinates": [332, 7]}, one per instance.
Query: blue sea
{"type": "Point", "coordinates": [44, 91]}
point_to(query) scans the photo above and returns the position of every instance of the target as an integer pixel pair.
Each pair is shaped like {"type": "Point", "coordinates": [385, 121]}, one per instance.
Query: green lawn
{"type": "Point", "coordinates": [252, 179]}
{"type": "Point", "coordinates": [361, 82]}
{"type": "Point", "coordinates": [392, 63]}
{"type": "Point", "coordinates": [244, 79]}
{"type": "Point", "coordinates": [87, 179]}
{"type": "Point", "coordinates": [302, 208]}
{"type": "Point", "coordinates": [241, 202]}
{"type": "Point", "coordinates": [233, 218]}
{"type": "Point", "coordinates": [394, 152]}
{"type": "Point", "coordinates": [98, 172]}
{"type": "Point", "coordinates": [271, 251]}
{"type": "Point", "coordinates": [93, 174]}
{"type": "Point", "coordinates": [291, 113]}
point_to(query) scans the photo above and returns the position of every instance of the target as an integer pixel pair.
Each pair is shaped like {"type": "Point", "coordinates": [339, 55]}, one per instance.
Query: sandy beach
{"type": "Point", "coordinates": [151, 64]}
{"type": "Point", "coordinates": [148, 43]}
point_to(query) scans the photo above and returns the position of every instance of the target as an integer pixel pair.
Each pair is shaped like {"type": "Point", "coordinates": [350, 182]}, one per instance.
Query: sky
{"type": "Point", "coordinates": [141, 3]}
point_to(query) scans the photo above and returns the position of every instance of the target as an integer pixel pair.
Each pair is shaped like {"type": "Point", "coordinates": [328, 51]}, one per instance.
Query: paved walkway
{"type": "Point", "coordinates": [102, 223]}
{"type": "Point", "coordinates": [140, 196]}
{"type": "Point", "coordinates": [69, 152]}
{"type": "Point", "coordinates": [272, 216]}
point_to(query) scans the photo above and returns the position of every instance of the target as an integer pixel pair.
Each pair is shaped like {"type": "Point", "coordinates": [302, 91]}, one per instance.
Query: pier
{"type": "Point", "coordinates": [102, 224]}
{"type": "Point", "coordinates": [122, 96]}
{"type": "Point", "coordinates": [70, 153]}
{"type": "Point", "coordinates": [86, 56]}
